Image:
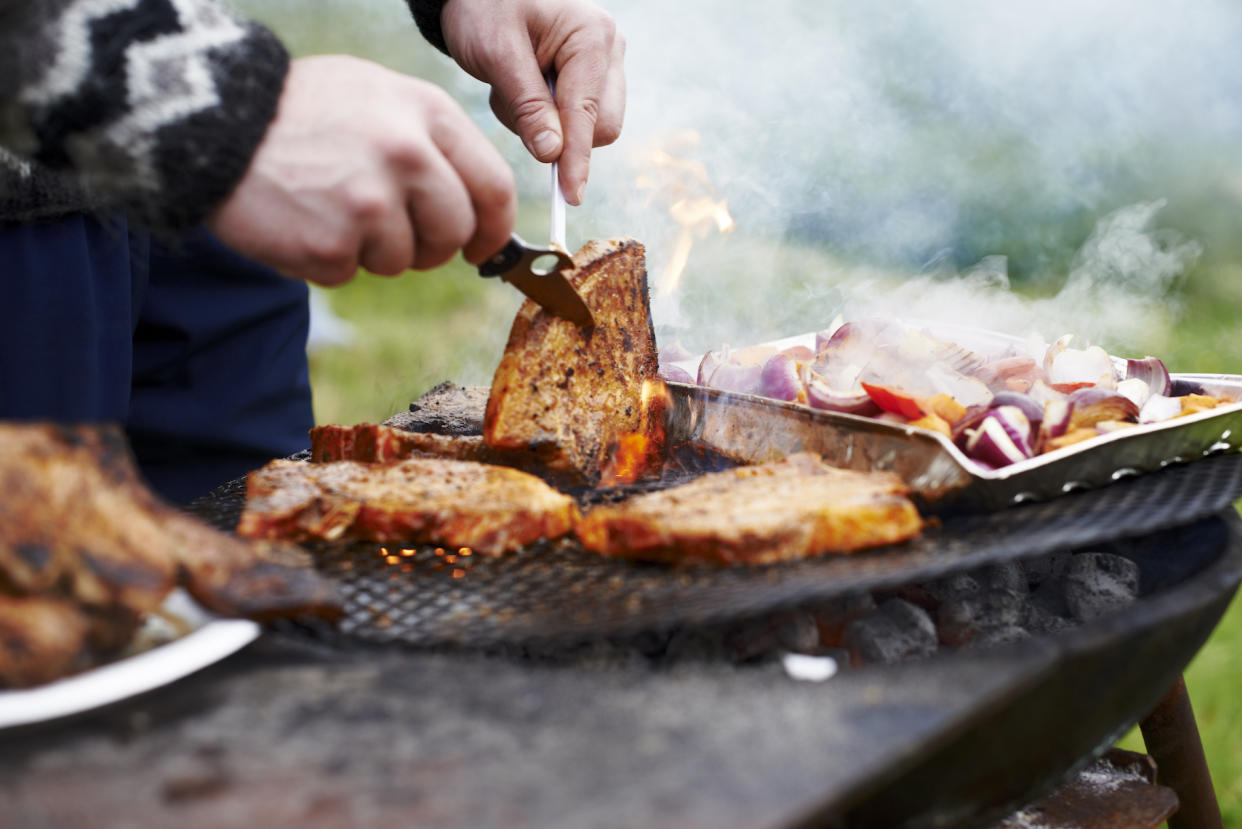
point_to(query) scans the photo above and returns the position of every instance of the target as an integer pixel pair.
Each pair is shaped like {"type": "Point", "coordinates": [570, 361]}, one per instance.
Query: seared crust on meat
{"type": "Point", "coordinates": [569, 394]}
{"type": "Point", "coordinates": [793, 508]}
{"type": "Point", "coordinates": [84, 544]}
{"type": "Point", "coordinates": [490, 509]}
{"type": "Point", "coordinates": [41, 638]}
{"type": "Point", "coordinates": [374, 443]}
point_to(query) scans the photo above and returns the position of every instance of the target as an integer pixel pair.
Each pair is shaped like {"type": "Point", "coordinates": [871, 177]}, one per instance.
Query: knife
{"type": "Point", "coordinates": [546, 285]}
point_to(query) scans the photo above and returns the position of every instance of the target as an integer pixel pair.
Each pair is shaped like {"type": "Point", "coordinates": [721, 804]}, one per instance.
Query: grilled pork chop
{"type": "Point", "coordinates": [79, 530]}
{"type": "Point", "coordinates": [381, 444]}
{"type": "Point", "coordinates": [569, 394]}
{"type": "Point", "coordinates": [793, 508]}
{"type": "Point", "coordinates": [491, 509]}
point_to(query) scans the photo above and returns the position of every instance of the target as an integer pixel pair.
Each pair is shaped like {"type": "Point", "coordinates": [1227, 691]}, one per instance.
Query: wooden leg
{"type": "Point", "coordinates": [1172, 740]}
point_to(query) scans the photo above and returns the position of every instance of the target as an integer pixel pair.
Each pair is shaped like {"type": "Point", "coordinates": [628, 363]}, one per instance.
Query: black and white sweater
{"type": "Point", "coordinates": [150, 106]}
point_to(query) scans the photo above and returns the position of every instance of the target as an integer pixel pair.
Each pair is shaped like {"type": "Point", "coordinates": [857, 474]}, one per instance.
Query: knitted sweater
{"type": "Point", "coordinates": [151, 106]}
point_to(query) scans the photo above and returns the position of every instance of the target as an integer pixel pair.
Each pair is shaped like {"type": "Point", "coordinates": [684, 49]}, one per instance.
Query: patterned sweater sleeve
{"type": "Point", "coordinates": [155, 106]}
{"type": "Point", "coordinates": [427, 16]}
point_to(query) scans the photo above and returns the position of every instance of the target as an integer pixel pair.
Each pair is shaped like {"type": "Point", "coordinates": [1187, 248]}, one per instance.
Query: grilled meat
{"type": "Point", "coordinates": [567, 394]}
{"type": "Point", "coordinates": [490, 509]}
{"type": "Point", "coordinates": [41, 639]}
{"type": "Point", "coordinates": [793, 508]}
{"type": "Point", "coordinates": [380, 444]}
{"type": "Point", "coordinates": [79, 529]}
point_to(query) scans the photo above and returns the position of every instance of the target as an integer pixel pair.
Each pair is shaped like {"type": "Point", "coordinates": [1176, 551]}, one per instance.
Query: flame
{"type": "Point", "coordinates": [638, 453]}
{"type": "Point", "coordinates": [683, 185]}
{"type": "Point", "coordinates": [629, 461]}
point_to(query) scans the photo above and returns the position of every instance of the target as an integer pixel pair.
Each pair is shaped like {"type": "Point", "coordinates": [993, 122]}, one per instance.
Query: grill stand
{"type": "Point", "coordinates": [1172, 738]}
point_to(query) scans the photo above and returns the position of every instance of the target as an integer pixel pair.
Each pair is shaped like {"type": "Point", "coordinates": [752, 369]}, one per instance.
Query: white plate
{"type": "Point", "coordinates": [209, 640]}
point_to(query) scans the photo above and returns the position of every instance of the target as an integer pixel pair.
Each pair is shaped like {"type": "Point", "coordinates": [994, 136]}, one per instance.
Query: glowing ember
{"type": "Point", "coordinates": [683, 185]}
{"type": "Point", "coordinates": [407, 552]}
{"type": "Point", "coordinates": [392, 559]}
{"type": "Point", "coordinates": [465, 551]}
{"type": "Point", "coordinates": [458, 573]}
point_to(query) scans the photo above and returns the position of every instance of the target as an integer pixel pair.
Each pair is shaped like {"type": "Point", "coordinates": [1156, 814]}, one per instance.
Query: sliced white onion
{"type": "Point", "coordinates": [1135, 390]}
{"type": "Point", "coordinates": [1159, 408]}
{"type": "Point", "coordinates": [1088, 365]}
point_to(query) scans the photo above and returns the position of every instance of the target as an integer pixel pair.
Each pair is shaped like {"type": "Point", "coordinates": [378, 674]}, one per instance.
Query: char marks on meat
{"type": "Point", "coordinates": [85, 546]}
{"type": "Point", "coordinates": [490, 509]}
{"type": "Point", "coordinates": [569, 394]}
{"type": "Point", "coordinates": [373, 443]}
{"type": "Point", "coordinates": [788, 509]}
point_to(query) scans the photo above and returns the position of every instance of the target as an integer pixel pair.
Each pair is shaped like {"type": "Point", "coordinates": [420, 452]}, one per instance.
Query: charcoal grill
{"type": "Point", "coordinates": [1083, 688]}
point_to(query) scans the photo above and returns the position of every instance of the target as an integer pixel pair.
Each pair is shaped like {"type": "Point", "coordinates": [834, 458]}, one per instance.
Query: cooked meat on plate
{"type": "Point", "coordinates": [87, 551]}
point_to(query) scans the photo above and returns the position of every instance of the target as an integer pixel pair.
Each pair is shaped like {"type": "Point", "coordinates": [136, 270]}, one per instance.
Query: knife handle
{"type": "Point", "coordinates": [506, 259]}
{"type": "Point", "coordinates": [517, 254]}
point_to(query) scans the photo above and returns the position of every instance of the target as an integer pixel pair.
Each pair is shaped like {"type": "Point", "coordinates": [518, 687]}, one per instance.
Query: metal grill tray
{"type": "Point", "coordinates": [759, 429]}
{"type": "Point", "coordinates": [560, 593]}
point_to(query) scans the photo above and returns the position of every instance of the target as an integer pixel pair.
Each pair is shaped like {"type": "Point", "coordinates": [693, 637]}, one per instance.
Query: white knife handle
{"type": "Point", "coordinates": [557, 223]}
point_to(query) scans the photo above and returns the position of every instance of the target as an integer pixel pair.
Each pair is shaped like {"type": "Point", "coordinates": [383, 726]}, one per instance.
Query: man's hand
{"type": "Point", "coordinates": [510, 44]}
{"type": "Point", "coordinates": [367, 167]}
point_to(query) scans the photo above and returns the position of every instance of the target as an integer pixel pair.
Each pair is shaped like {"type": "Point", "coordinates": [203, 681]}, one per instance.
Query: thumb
{"type": "Point", "coordinates": [521, 100]}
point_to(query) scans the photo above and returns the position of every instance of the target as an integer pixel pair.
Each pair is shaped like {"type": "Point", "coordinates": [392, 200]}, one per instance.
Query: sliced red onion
{"type": "Point", "coordinates": [1151, 371]}
{"type": "Point", "coordinates": [820, 396]}
{"type": "Point", "coordinates": [1159, 408]}
{"type": "Point", "coordinates": [1056, 418]}
{"type": "Point", "coordinates": [1034, 411]}
{"type": "Point", "coordinates": [746, 379]}
{"type": "Point", "coordinates": [707, 366]}
{"type": "Point", "coordinates": [825, 337]}
{"type": "Point", "coordinates": [675, 353]}
{"type": "Point", "coordinates": [1181, 388]}
{"type": "Point", "coordinates": [778, 378]}
{"type": "Point", "coordinates": [968, 423]}
{"type": "Point", "coordinates": [675, 374]}
{"type": "Point", "coordinates": [1091, 405]}
{"type": "Point", "coordinates": [1003, 437]}
{"type": "Point", "coordinates": [1135, 390]}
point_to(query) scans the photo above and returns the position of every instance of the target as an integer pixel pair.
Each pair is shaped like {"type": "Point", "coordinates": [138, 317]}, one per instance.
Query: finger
{"type": "Point", "coordinates": [612, 102]}
{"type": "Point", "coordinates": [488, 186]}
{"type": "Point", "coordinates": [388, 241]}
{"type": "Point", "coordinates": [521, 100]}
{"type": "Point", "coordinates": [580, 89]}
{"type": "Point", "coordinates": [441, 213]}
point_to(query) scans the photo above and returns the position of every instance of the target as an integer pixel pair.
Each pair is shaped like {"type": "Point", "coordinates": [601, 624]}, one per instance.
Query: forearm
{"type": "Point", "coordinates": [154, 106]}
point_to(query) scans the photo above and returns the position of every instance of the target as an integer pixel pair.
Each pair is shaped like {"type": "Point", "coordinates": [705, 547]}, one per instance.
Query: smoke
{"type": "Point", "coordinates": [994, 164]}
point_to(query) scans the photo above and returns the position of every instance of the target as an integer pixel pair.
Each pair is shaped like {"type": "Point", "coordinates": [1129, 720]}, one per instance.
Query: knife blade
{"type": "Point", "coordinates": [549, 287]}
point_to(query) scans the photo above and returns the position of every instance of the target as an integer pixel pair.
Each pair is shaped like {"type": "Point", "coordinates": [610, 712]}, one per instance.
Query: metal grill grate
{"type": "Point", "coordinates": [559, 593]}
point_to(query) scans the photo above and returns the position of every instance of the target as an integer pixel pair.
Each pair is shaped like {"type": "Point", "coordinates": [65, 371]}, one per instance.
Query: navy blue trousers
{"type": "Point", "coordinates": [198, 352]}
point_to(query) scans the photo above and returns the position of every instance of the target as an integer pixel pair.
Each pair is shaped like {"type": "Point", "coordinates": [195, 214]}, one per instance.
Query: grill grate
{"type": "Point", "coordinates": [557, 592]}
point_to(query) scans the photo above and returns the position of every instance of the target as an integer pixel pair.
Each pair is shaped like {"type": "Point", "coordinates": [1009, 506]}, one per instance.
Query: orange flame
{"type": "Point", "coordinates": [639, 453]}
{"type": "Point", "coordinates": [684, 186]}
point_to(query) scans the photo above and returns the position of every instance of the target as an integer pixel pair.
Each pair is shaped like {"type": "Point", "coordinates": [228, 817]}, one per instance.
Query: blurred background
{"type": "Point", "coordinates": [1051, 167]}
